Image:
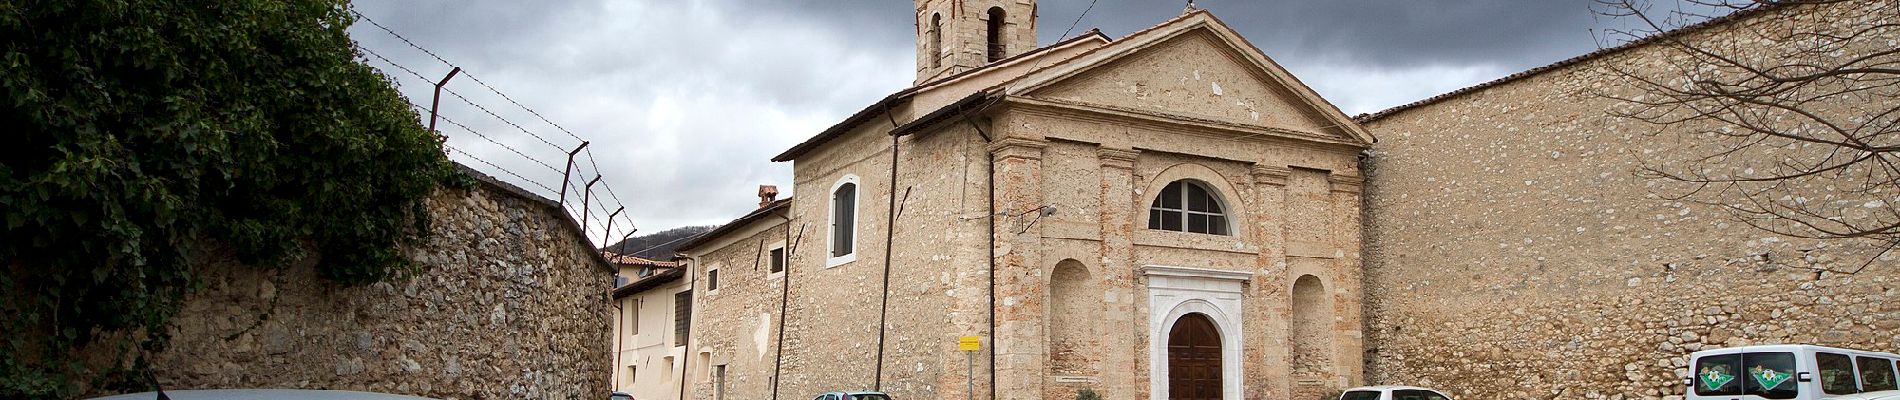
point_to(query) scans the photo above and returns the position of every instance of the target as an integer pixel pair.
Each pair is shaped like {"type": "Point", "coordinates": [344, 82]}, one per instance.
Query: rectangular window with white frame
{"type": "Point", "coordinates": [775, 261]}
{"type": "Point", "coordinates": [841, 242]}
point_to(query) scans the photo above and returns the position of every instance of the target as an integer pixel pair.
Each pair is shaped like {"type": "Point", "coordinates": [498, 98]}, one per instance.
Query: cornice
{"type": "Point", "coordinates": [1119, 115]}
{"type": "Point", "coordinates": [1221, 274]}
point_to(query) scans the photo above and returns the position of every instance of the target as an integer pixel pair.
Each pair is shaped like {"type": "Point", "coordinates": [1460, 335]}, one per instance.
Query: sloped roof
{"type": "Point", "coordinates": [730, 227]}
{"type": "Point", "coordinates": [637, 261]}
{"type": "Point", "coordinates": [649, 282]}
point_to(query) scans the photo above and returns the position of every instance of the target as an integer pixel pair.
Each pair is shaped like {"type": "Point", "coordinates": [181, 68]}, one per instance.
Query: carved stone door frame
{"type": "Point", "coordinates": [1174, 292]}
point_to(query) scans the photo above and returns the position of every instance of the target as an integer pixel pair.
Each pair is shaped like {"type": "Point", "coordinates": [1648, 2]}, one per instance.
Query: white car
{"type": "Point", "coordinates": [261, 394]}
{"type": "Point", "coordinates": [1880, 395]}
{"type": "Point", "coordinates": [1389, 392]}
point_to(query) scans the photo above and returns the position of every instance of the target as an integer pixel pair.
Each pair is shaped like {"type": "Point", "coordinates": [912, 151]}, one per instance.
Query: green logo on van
{"type": "Point", "coordinates": [1715, 379]}
{"type": "Point", "coordinates": [1769, 378]}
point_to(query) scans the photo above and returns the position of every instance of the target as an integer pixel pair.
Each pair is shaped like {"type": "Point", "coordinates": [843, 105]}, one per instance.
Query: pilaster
{"type": "Point", "coordinates": [1019, 341]}
{"type": "Point", "coordinates": [1268, 212]}
{"type": "Point", "coordinates": [1349, 277]}
{"type": "Point", "coordinates": [1120, 219]}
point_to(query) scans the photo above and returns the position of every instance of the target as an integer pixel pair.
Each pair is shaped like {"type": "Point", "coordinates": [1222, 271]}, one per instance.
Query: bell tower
{"type": "Point", "coordinates": [959, 35]}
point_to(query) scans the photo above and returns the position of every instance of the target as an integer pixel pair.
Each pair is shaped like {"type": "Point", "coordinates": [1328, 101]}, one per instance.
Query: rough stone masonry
{"type": "Point", "coordinates": [510, 303]}
{"type": "Point", "coordinates": [1514, 253]}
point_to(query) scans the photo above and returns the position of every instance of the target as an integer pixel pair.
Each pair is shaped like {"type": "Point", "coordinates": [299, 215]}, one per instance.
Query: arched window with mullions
{"type": "Point", "coordinates": [1188, 206]}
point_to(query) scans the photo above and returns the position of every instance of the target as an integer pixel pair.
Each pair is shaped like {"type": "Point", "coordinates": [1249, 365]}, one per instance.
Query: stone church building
{"type": "Point", "coordinates": [1173, 191]}
{"type": "Point", "coordinates": [1171, 214]}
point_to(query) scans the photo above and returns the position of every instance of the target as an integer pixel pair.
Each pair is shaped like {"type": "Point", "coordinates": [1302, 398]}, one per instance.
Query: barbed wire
{"type": "Point", "coordinates": [592, 160]}
{"type": "Point", "coordinates": [472, 156]}
{"type": "Point", "coordinates": [445, 118]}
{"type": "Point", "coordinates": [471, 76]}
{"type": "Point", "coordinates": [464, 99]}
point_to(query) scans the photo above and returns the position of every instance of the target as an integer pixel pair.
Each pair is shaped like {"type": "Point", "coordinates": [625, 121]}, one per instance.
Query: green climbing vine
{"type": "Point", "coordinates": [142, 135]}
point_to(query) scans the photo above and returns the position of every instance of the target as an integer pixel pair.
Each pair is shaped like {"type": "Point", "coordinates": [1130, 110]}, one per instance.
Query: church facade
{"type": "Point", "coordinates": [1164, 215]}
{"type": "Point", "coordinates": [1169, 214]}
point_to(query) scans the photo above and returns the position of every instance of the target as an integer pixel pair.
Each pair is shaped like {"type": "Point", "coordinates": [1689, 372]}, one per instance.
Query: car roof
{"type": "Point", "coordinates": [1390, 387]}
{"type": "Point", "coordinates": [1789, 348]}
{"type": "Point", "coordinates": [261, 394]}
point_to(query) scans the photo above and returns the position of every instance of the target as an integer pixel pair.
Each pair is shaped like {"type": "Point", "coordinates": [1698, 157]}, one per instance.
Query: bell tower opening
{"type": "Point", "coordinates": [936, 41]}
{"type": "Point", "coordinates": [995, 43]}
{"type": "Point", "coordinates": [959, 35]}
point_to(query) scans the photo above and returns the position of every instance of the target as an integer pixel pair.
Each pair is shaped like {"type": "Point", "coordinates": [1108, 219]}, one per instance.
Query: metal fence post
{"type": "Point", "coordinates": [565, 175]}
{"type": "Point", "coordinates": [436, 102]}
{"type": "Point", "coordinates": [586, 195]}
{"type": "Point", "coordinates": [608, 233]}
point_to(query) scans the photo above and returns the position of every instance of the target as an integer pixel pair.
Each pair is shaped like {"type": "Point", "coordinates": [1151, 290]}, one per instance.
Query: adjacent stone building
{"type": "Point", "coordinates": [1514, 250]}
{"type": "Point", "coordinates": [649, 327]}
{"type": "Point", "coordinates": [1165, 214]}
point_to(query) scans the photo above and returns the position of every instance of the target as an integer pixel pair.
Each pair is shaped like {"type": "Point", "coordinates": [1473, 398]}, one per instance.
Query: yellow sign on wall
{"type": "Point", "coordinates": [970, 343]}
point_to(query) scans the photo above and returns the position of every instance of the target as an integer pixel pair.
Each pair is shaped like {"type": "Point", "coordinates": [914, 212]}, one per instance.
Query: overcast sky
{"type": "Point", "coordinates": [685, 101]}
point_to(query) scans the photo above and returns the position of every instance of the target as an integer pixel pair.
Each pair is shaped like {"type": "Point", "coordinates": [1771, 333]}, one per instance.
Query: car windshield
{"type": "Point", "coordinates": [1360, 395]}
{"type": "Point", "coordinates": [1416, 395]}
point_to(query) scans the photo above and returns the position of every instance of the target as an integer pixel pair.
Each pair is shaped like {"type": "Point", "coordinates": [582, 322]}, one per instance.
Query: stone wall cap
{"type": "Point", "coordinates": [497, 185]}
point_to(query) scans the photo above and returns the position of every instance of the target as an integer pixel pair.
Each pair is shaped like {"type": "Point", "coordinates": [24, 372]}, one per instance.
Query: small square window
{"type": "Point", "coordinates": [712, 279]}
{"type": "Point", "coordinates": [778, 260]}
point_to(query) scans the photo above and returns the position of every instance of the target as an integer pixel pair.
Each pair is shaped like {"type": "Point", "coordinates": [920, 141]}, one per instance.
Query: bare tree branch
{"type": "Point", "coordinates": [1795, 118]}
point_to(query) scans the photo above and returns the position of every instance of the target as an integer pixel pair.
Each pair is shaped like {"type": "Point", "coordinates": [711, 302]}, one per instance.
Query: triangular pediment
{"type": "Point", "coordinates": [1195, 67]}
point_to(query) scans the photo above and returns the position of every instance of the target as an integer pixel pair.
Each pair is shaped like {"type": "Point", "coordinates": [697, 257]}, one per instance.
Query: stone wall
{"type": "Point", "coordinates": [1515, 253]}
{"type": "Point", "coordinates": [510, 302]}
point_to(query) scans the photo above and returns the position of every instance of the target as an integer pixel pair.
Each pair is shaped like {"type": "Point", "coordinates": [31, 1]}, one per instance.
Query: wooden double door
{"type": "Point", "coordinates": [1194, 359]}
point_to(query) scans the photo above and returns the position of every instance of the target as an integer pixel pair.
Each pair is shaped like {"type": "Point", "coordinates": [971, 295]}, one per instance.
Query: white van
{"type": "Point", "coordinates": [1789, 371]}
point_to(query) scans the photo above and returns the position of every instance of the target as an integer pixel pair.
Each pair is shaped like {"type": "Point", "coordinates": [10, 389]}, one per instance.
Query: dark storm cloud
{"type": "Point", "coordinates": [1514, 33]}
{"type": "Point", "coordinates": [1384, 32]}
{"type": "Point", "coordinates": [685, 101]}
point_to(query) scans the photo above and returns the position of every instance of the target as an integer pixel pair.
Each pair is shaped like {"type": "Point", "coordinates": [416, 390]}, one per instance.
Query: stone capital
{"type": "Point", "coordinates": [1015, 147]}
{"type": "Point", "coordinates": [1346, 183]}
{"type": "Point", "coordinates": [1271, 174]}
{"type": "Point", "coordinates": [1117, 158]}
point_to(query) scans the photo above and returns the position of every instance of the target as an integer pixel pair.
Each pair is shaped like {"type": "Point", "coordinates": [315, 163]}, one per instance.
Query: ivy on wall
{"type": "Point", "coordinates": [139, 136]}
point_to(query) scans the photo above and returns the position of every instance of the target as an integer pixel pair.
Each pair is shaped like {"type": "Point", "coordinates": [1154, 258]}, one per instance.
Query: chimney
{"type": "Point", "coordinates": [767, 194]}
